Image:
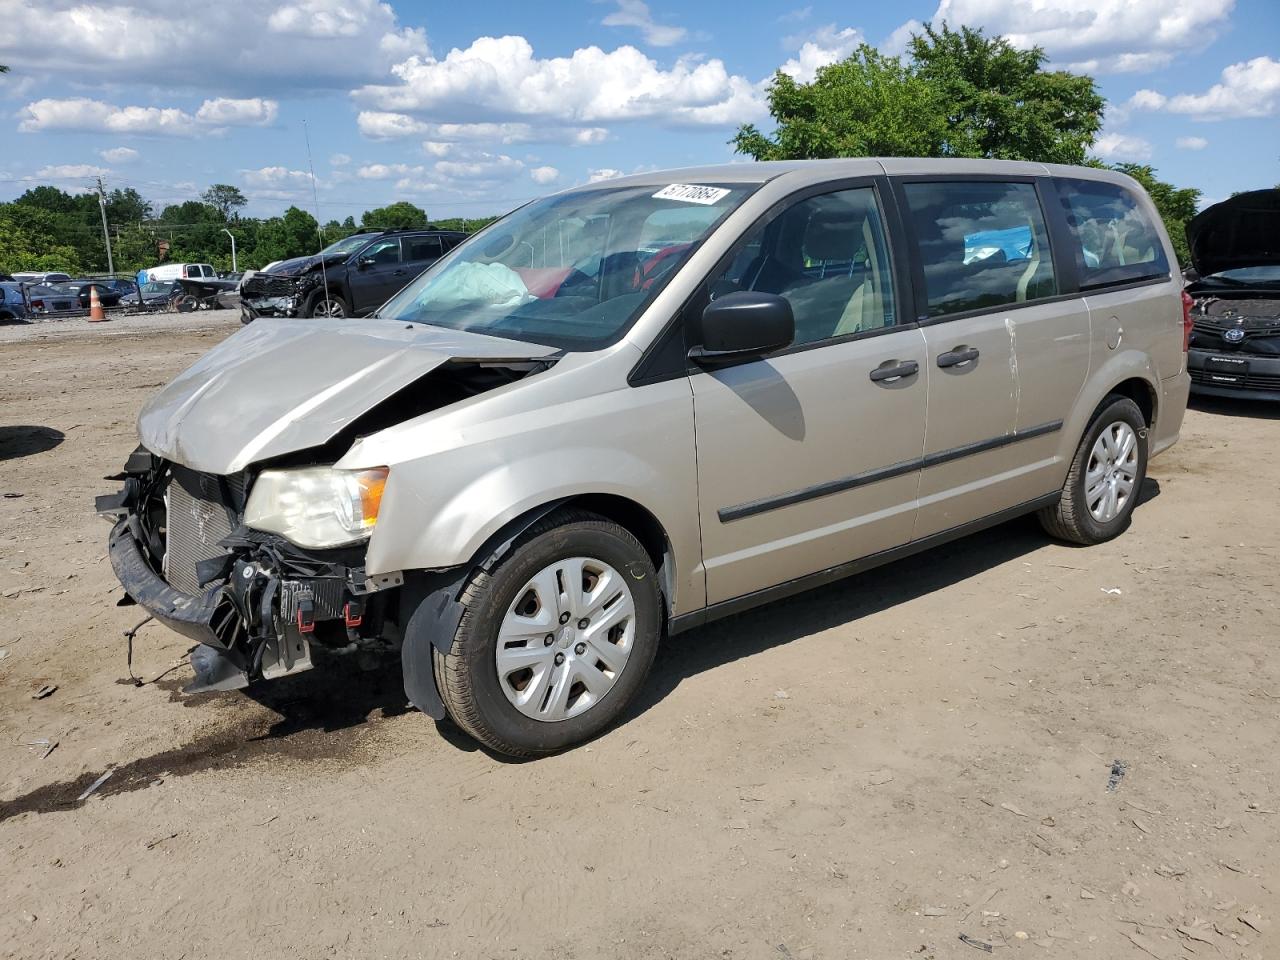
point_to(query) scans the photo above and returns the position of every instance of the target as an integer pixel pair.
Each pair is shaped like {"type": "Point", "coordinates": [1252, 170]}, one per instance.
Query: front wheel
{"type": "Point", "coordinates": [321, 304]}
{"type": "Point", "coordinates": [1105, 478]}
{"type": "Point", "coordinates": [556, 640]}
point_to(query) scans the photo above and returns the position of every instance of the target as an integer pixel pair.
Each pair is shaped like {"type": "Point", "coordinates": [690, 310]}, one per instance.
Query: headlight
{"type": "Point", "coordinates": [317, 506]}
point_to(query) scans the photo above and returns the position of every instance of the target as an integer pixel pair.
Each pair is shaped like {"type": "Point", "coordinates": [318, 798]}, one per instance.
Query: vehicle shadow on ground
{"type": "Point", "coordinates": [842, 603]}
{"type": "Point", "coordinates": [1235, 407]}
{"type": "Point", "coordinates": [23, 441]}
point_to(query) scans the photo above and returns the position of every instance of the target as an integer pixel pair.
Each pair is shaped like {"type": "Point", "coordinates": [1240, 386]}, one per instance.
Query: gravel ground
{"type": "Point", "coordinates": [1056, 752]}
{"type": "Point", "coordinates": [118, 324]}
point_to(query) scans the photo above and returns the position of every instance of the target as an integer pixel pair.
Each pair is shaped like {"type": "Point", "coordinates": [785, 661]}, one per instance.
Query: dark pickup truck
{"type": "Point", "coordinates": [349, 278]}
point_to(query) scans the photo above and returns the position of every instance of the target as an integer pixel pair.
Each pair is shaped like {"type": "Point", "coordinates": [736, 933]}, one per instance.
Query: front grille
{"type": "Point", "coordinates": [202, 509]}
{"type": "Point", "coordinates": [268, 285]}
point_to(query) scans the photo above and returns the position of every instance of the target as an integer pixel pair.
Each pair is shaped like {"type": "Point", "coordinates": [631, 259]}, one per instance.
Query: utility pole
{"type": "Point", "coordinates": [106, 237]}
{"type": "Point", "coordinates": [234, 269]}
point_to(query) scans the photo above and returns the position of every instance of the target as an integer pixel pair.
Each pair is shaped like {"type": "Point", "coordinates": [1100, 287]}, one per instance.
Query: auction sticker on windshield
{"type": "Point", "coordinates": [691, 193]}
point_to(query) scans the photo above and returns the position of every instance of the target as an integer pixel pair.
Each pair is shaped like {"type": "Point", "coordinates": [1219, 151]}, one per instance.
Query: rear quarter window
{"type": "Point", "coordinates": [1115, 240]}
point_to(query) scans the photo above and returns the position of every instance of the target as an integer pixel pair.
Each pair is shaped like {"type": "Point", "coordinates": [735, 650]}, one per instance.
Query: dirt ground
{"type": "Point", "coordinates": [1057, 752]}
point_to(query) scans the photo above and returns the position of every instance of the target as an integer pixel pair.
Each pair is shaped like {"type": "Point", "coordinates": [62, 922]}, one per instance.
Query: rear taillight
{"type": "Point", "coordinates": [1187, 304]}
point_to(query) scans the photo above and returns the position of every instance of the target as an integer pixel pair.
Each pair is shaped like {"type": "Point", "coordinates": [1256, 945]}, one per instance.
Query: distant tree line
{"type": "Point", "coordinates": [954, 93]}
{"type": "Point", "coordinates": [50, 229]}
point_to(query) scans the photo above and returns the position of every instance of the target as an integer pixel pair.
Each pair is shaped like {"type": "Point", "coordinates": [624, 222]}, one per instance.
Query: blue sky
{"type": "Point", "coordinates": [471, 108]}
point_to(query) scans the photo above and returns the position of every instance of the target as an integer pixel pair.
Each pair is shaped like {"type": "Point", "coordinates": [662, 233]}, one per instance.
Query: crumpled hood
{"type": "Point", "coordinates": [1243, 231]}
{"type": "Point", "coordinates": [278, 386]}
{"type": "Point", "coordinates": [300, 265]}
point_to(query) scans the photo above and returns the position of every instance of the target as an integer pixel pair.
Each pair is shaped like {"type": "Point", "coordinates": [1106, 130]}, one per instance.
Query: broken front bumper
{"type": "Point", "coordinates": [253, 601]}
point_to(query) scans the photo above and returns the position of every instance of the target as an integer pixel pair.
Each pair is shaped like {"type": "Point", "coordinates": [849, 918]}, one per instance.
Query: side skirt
{"type": "Point", "coordinates": [726, 608]}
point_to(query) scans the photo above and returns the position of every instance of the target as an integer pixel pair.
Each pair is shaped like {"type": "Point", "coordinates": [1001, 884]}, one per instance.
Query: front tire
{"type": "Point", "coordinates": [1105, 478]}
{"type": "Point", "coordinates": [320, 304]}
{"type": "Point", "coordinates": [556, 640]}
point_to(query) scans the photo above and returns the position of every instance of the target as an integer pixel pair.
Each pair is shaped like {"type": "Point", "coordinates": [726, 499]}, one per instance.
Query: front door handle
{"type": "Point", "coordinates": [958, 357]}
{"type": "Point", "coordinates": [893, 370]}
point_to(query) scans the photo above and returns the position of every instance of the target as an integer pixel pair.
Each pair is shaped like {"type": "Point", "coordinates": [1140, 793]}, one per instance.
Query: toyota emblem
{"type": "Point", "coordinates": [1233, 335]}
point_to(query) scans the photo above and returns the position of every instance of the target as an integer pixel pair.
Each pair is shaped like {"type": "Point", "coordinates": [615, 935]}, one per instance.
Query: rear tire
{"type": "Point", "coordinates": [579, 682]}
{"type": "Point", "coordinates": [1105, 479]}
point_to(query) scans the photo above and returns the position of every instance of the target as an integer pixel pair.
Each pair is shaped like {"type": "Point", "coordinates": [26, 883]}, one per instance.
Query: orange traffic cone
{"type": "Point", "coordinates": [96, 313]}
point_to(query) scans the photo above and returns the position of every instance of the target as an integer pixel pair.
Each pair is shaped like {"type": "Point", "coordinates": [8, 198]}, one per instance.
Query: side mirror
{"type": "Point", "coordinates": [364, 263]}
{"type": "Point", "coordinates": [744, 325]}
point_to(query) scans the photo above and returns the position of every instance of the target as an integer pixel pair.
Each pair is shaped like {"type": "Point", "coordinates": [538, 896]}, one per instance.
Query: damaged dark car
{"type": "Point", "coordinates": [1235, 301]}
{"type": "Point", "coordinates": [350, 278]}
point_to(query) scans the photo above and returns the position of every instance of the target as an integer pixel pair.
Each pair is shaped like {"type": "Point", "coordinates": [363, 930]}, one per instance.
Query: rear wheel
{"type": "Point", "coordinates": [1105, 478]}
{"type": "Point", "coordinates": [556, 640]}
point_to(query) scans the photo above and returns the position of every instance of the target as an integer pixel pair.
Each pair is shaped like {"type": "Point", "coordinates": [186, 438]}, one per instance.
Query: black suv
{"type": "Point", "coordinates": [352, 277]}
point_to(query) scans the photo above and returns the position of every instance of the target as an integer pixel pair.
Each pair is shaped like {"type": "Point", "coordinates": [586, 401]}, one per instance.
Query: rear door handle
{"type": "Point", "coordinates": [958, 357]}
{"type": "Point", "coordinates": [893, 370]}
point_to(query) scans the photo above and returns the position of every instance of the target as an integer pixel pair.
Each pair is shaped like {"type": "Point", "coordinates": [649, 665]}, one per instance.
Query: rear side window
{"type": "Point", "coordinates": [422, 248]}
{"type": "Point", "coordinates": [1115, 239]}
{"type": "Point", "coordinates": [980, 244]}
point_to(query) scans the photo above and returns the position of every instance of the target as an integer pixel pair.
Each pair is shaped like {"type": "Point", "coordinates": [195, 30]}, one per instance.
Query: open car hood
{"type": "Point", "coordinates": [279, 386]}
{"type": "Point", "coordinates": [1243, 231]}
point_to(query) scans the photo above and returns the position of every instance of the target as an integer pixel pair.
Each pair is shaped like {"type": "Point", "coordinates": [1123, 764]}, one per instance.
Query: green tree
{"type": "Point", "coordinates": [26, 242]}
{"type": "Point", "coordinates": [867, 105]}
{"type": "Point", "coordinates": [1176, 205]}
{"type": "Point", "coordinates": [958, 94]}
{"type": "Point", "coordinates": [225, 198]}
{"type": "Point", "coordinates": [127, 206]}
{"type": "Point", "coordinates": [1000, 102]}
{"type": "Point", "coordinates": [296, 234]}
{"type": "Point", "coordinates": [398, 215]}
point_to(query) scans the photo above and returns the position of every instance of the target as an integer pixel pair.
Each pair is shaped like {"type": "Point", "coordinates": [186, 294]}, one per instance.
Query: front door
{"type": "Point", "coordinates": [810, 458]}
{"type": "Point", "coordinates": [377, 275]}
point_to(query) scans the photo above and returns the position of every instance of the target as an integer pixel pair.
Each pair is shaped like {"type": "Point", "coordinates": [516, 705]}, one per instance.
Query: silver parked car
{"type": "Point", "coordinates": [632, 407]}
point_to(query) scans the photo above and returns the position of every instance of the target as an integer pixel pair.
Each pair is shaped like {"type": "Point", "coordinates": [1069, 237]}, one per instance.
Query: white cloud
{"type": "Point", "coordinates": [339, 160]}
{"type": "Point", "coordinates": [480, 166]}
{"type": "Point", "coordinates": [1192, 143]}
{"type": "Point", "coordinates": [119, 155]}
{"type": "Point", "coordinates": [223, 112]}
{"type": "Point", "coordinates": [70, 171]}
{"type": "Point", "coordinates": [1121, 146]}
{"type": "Point", "coordinates": [499, 80]}
{"type": "Point", "coordinates": [388, 171]}
{"type": "Point", "coordinates": [635, 13]}
{"type": "Point", "coordinates": [277, 177]}
{"type": "Point", "coordinates": [896, 43]}
{"type": "Point", "coordinates": [544, 175]}
{"type": "Point", "coordinates": [94, 116]}
{"type": "Point", "coordinates": [605, 173]}
{"type": "Point", "coordinates": [1097, 36]}
{"type": "Point", "coordinates": [824, 47]}
{"type": "Point", "coordinates": [1247, 89]}
{"type": "Point", "coordinates": [1147, 100]}
{"type": "Point", "coordinates": [223, 48]}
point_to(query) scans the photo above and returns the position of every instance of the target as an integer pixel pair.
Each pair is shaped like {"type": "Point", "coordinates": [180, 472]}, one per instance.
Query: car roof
{"type": "Point", "coordinates": [799, 173]}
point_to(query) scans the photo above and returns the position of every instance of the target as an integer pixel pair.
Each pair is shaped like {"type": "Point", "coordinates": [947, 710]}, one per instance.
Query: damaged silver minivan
{"type": "Point", "coordinates": [632, 407]}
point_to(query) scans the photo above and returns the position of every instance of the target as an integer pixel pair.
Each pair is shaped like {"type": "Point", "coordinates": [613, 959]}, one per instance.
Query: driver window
{"type": "Point", "coordinates": [383, 252]}
{"type": "Point", "coordinates": [828, 256]}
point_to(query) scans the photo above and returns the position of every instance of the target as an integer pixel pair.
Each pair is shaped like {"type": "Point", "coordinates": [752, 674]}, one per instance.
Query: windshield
{"type": "Point", "coordinates": [1262, 274]}
{"type": "Point", "coordinates": [159, 286]}
{"type": "Point", "coordinates": [570, 271]}
{"type": "Point", "coordinates": [347, 245]}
